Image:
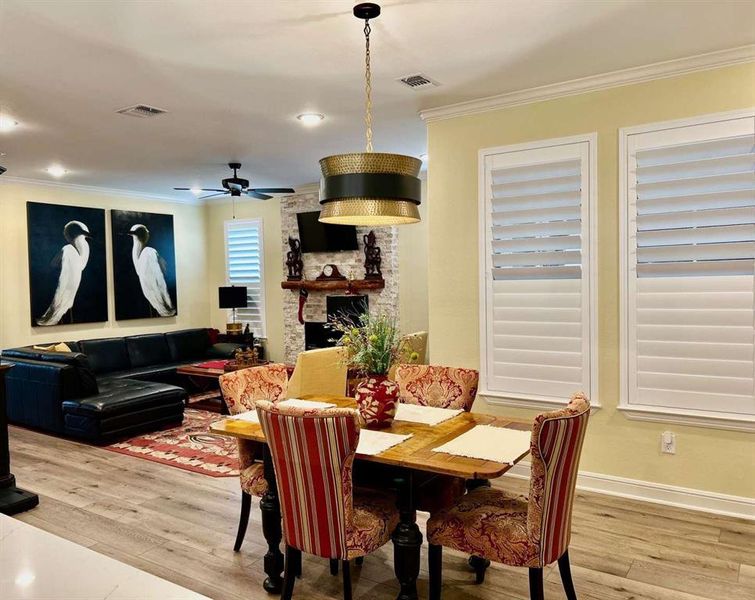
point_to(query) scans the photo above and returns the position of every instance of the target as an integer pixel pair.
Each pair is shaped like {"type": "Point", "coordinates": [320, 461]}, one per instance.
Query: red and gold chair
{"type": "Point", "coordinates": [441, 387]}
{"type": "Point", "coordinates": [313, 454]}
{"type": "Point", "coordinates": [517, 531]}
{"type": "Point", "coordinates": [241, 389]}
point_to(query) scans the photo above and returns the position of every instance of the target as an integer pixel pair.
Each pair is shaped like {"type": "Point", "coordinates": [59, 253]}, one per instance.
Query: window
{"type": "Point", "coordinates": [537, 318]}
{"type": "Point", "coordinates": [688, 271]}
{"type": "Point", "coordinates": [245, 267]}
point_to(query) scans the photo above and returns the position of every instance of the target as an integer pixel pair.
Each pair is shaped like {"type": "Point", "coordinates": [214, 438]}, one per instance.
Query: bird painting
{"type": "Point", "coordinates": [67, 264]}
{"type": "Point", "coordinates": [71, 262]}
{"type": "Point", "coordinates": [150, 268]}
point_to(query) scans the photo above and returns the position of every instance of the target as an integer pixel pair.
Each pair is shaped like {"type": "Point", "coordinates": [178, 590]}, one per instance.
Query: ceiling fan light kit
{"type": "Point", "coordinates": [369, 188]}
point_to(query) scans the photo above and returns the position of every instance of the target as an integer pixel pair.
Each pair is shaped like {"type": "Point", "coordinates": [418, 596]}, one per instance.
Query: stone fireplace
{"type": "Point", "coordinates": [349, 263]}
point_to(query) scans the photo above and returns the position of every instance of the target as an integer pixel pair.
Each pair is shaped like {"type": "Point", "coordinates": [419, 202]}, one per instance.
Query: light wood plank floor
{"type": "Point", "coordinates": [181, 526]}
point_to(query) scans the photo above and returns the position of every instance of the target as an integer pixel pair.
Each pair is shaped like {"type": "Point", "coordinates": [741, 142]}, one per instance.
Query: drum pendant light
{"type": "Point", "coordinates": [369, 188]}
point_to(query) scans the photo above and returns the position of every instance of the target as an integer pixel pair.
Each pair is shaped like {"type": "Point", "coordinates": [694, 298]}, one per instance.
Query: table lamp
{"type": "Point", "coordinates": [232, 297]}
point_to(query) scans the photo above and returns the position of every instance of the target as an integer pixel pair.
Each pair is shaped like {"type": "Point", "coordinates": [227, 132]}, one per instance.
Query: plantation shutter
{"type": "Point", "coordinates": [537, 331]}
{"type": "Point", "coordinates": [244, 267]}
{"type": "Point", "coordinates": [691, 267]}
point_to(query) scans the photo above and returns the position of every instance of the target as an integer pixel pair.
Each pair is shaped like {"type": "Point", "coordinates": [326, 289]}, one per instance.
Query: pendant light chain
{"type": "Point", "coordinates": [368, 86]}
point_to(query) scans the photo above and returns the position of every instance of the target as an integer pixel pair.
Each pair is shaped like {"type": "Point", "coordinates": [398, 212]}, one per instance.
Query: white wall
{"type": "Point", "coordinates": [191, 264]}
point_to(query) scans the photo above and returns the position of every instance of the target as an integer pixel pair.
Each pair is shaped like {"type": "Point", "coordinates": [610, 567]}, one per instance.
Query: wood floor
{"type": "Point", "coordinates": [181, 526]}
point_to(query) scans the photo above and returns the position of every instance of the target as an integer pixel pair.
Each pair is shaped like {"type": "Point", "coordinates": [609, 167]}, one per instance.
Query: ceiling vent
{"type": "Point", "coordinates": [141, 110]}
{"type": "Point", "coordinates": [418, 81]}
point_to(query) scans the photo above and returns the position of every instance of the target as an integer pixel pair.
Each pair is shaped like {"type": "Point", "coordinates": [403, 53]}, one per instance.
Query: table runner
{"type": "Point", "coordinates": [486, 442]}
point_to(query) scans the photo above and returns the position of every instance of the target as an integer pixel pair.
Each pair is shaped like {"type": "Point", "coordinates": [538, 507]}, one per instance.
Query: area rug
{"type": "Point", "coordinates": [190, 446]}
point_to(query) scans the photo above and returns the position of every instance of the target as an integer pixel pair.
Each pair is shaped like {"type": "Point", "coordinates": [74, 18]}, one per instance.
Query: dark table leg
{"type": "Point", "coordinates": [407, 540]}
{"type": "Point", "coordinates": [271, 529]}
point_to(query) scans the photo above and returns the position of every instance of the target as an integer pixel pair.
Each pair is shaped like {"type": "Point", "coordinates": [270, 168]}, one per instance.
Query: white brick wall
{"type": "Point", "coordinates": [350, 264]}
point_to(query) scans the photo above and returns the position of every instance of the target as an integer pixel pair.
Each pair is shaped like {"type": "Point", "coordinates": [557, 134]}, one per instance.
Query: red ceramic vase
{"type": "Point", "coordinates": [376, 398]}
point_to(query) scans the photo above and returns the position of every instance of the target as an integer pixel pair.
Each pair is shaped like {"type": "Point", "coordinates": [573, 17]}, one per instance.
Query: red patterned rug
{"type": "Point", "coordinates": [190, 446]}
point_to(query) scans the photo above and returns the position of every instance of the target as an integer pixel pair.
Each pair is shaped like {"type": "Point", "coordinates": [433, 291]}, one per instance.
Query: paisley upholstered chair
{"type": "Point", "coordinates": [521, 532]}
{"type": "Point", "coordinates": [241, 389]}
{"type": "Point", "coordinates": [326, 517]}
{"type": "Point", "coordinates": [442, 387]}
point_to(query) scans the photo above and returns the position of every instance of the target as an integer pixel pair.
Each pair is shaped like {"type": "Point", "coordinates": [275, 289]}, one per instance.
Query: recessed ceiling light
{"type": "Point", "coordinates": [310, 119]}
{"type": "Point", "coordinates": [25, 578]}
{"type": "Point", "coordinates": [56, 170]}
{"type": "Point", "coordinates": [7, 123]}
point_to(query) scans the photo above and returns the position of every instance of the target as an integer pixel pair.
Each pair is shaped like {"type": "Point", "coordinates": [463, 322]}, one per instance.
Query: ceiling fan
{"type": "Point", "coordinates": [237, 186]}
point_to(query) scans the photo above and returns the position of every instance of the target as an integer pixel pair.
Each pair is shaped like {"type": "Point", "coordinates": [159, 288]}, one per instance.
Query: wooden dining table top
{"type": "Point", "coordinates": [417, 451]}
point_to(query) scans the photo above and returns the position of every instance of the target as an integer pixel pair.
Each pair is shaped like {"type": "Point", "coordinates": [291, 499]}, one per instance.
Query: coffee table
{"type": "Point", "coordinates": [206, 382]}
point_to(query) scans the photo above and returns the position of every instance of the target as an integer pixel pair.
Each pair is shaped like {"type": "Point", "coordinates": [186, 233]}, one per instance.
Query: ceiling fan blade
{"type": "Point", "coordinates": [256, 194]}
{"type": "Point", "coordinates": [274, 190]}
{"type": "Point", "coordinates": [213, 195]}
{"type": "Point", "coordinates": [213, 190]}
{"type": "Point", "coordinates": [183, 189]}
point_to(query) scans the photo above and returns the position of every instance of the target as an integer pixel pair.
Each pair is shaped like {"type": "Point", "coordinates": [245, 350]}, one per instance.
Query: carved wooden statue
{"type": "Point", "coordinates": [293, 260]}
{"type": "Point", "coordinates": [372, 257]}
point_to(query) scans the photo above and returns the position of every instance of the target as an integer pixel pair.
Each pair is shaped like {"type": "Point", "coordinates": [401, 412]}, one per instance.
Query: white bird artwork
{"type": "Point", "coordinates": [150, 268]}
{"type": "Point", "coordinates": [72, 260]}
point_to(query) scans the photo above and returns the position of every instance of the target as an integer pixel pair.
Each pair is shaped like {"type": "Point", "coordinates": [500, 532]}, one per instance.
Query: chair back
{"type": "Point", "coordinates": [555, 450]}
{"type": "Point", "coordinates": [442, 387]}
{"type": "Point", "coordinates": [313, 452]}
{"type": "Point", "coordinates": [411, 343]}
{"type": "Point", "coordinates": [241, 389]}
{"type": "Point", "coordinates": [321, 371]}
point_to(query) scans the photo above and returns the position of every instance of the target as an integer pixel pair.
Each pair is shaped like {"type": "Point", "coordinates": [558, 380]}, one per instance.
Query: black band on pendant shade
{"type": "Point", "coordinates": [371, 185]}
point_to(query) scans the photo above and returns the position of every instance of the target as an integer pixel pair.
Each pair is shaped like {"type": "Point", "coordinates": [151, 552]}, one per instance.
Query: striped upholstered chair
{"type": "Point", "coordinates": [521, 532]}
{"type": "Point", "coordinates": [241, 389]}
{"type": "Point", "coordinates": [313, 453]}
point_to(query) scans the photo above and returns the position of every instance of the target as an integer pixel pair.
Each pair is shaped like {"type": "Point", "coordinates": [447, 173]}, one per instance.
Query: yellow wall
{"type": "Point", "coordinates": [412, 268]}
{"type": "Point", "coordinates": [216, 214]}
{"type": "Point", "coordinates": [15, 322]}
{"type": "Point", "coordinates": [707, 459]}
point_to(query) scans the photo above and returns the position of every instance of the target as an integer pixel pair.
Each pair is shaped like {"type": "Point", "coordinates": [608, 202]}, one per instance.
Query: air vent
{"type": "Point", "coordinates": [418, 81]}
{"type": "Point", "coordinates": [141, 110]}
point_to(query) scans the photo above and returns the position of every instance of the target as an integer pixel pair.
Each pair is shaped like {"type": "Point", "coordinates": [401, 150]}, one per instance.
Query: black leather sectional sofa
{"type": "Point", "coordinates": [105, 389]}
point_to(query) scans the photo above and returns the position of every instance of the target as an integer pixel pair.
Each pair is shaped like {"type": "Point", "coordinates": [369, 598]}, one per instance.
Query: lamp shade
{"type": "Point", "coordinates": [232, 297]}
{"type": "Point", "coordinates": [370, 189]}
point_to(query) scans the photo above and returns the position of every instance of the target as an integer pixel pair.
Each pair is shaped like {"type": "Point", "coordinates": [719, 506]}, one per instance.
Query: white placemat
{"type": "Point", "coordinates": [428, 415]}
{"type": "Point", "coordinates": [374, 442]}
{"type": "Point", "coordinates": [249, 416]}
{"type": "Point", "coordinates": [489, 443]}
{"type": "Point", "coordinates": [310, 404]}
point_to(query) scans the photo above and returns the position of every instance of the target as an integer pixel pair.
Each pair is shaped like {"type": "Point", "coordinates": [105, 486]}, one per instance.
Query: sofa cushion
{"type": "Point", "coordinates": [147, 350]}
{"type": "Point", "coordinates": [188, 344]}
{"type": "Point", "coordinates": [106, 355]}
{"type": "Point", "coordinates": [121, 396]}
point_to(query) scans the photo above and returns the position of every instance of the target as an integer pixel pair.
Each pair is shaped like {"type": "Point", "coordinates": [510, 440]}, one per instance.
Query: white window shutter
{"type": "Point", "coordinates": [244, 267]}
{"type": "Point", "coordinates": [690, 267]}
{"type": "Point", "coordinates": [537, 327]}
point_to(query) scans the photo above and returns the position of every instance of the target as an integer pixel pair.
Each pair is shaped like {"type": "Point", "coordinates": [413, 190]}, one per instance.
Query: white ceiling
{"type": "Point", "coordinates": [234, 74]}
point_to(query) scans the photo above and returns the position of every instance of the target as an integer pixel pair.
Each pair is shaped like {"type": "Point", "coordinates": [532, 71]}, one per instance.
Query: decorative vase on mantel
{"type": "Point", "coordinates": [377, 398]}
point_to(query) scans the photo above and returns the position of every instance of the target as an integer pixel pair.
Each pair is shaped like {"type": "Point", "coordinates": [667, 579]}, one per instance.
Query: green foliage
{"type": "Point", "coordinates": [373, 342]}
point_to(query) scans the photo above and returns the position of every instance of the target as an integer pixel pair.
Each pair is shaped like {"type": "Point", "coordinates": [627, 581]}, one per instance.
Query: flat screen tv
{"type": "Point", "coordinates": [319, 237]}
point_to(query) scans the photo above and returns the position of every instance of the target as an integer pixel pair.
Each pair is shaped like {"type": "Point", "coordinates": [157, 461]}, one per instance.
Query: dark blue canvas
{"type": "Point", "coordinates": [144, 265]}
{"type": "Point", "coordinates": [67, 272]}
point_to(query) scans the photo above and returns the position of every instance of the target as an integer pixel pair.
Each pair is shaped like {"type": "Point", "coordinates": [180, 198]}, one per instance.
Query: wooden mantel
{"type": "Point", "coordinates": [328, 285]}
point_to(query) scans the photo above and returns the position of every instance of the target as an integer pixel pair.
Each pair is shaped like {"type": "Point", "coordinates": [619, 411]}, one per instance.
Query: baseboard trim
{"type": "Point", "coordinates": [658, 493]}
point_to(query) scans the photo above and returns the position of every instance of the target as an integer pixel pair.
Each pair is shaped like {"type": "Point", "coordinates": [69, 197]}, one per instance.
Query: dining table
{"type": "Point", "coordinates": [413, 458]}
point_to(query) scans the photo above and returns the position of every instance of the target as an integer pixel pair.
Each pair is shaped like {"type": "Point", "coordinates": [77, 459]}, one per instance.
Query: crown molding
{"type": "Point", "coordinates": [91, 189]}
{"type": "Point", "coordinates": [660, 70]}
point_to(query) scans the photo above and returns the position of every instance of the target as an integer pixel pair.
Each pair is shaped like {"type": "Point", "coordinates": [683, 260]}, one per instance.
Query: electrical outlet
{"type": "Point", "coordinates": [668, 442]}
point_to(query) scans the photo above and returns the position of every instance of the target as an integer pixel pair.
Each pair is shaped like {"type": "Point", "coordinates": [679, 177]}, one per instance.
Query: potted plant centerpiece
{"type": "Point", "coordinates": [373, 344]}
